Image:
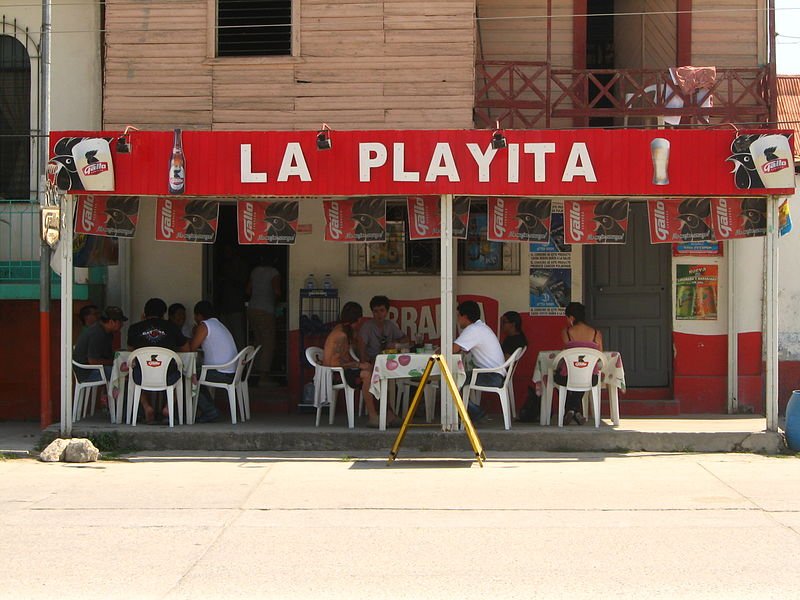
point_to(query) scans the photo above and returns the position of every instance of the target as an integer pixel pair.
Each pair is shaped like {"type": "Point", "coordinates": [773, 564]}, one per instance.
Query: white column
{"type": "Point", "coordinates": [65, 256]}
{"type": "Point", "coordinates": [733, 333]}
{"type": "Point", "coordinates": [771, 315]}
{"type": "Point", "coordinates": [447, 299]}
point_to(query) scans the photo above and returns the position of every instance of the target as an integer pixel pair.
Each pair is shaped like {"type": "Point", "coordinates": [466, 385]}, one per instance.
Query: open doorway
{"type": "Point", "coordinates": [228, 266]}
{"type": "Point", "coordinates": [600, 52]}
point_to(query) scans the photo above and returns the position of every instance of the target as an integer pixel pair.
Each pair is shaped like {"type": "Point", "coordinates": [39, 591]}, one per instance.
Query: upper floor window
{"type": "Point", "coordinates": [15, 119]}
{"type": "Point", "coordinates": [254, 27]}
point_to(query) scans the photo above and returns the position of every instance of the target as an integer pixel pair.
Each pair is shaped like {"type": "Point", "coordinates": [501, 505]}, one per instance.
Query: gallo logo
{"type": "Point", "coordinates": [87, 218]}
{"type": "Point", "coordinates": [153, 362]}
{"type": "Point", "coordinates": [95, 168]}
{"type": "Point", "coordinates": [778, 164]}
{"type": "Point", "coordinates": [575, 228]}
{"type": "Point", "coordinates": [420, 218]}
{"type": "Point", "coordinates": [498, 227]}
{"type": "Point", "coordinates": [581, 362]}
{"type": "Point", "coordinates": [723, 218]}
{"type": "Point", "coordinates": [248, 217]}
{"type": "Point", "coordinates": [660, 221]}
{"type": "Point", "coordinates": [167, 219]}
{"type": "Point", "coordinates": [335, 220]}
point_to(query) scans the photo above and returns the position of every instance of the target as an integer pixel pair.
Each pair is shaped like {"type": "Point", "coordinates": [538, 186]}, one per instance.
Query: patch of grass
{"type": "Point", "coordinates": [348, 458]}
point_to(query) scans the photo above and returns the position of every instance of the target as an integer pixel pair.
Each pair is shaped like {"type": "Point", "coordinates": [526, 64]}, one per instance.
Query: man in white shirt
{"type": "Point", "coordinates": [479, 340]}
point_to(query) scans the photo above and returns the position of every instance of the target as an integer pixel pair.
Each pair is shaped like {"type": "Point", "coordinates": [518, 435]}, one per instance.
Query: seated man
{"type": "Point", "coordinates": [481, 342]}
{"type": "Point", "coordinates": [153, 330]}
{"type": "Point", "coordinates": [218, 348]}
{"type": "Point", "coordinates": [88, 315]}
{"type": "Point", "coordinates": [94, 345]}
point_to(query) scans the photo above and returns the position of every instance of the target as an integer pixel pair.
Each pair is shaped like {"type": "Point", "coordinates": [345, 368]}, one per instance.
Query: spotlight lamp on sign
{"type": "Point", "coordinates": [124, 141]}
{"type": "Point", "coordinates": [498, 138]}
{"type": "Point", "coordinates": [324, 138]}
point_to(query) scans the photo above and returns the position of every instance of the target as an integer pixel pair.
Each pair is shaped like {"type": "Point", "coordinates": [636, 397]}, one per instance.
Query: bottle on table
{"type": "Point", "coordinates": [311, 283]}
{"type": "Point", "coordinates": [327, 282]}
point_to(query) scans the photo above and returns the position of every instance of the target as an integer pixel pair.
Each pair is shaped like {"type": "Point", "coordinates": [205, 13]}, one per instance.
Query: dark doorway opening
{"type": "Point", "coordinates": [228, 267]}
{"type": "Point", "coordinates": [600, 53]}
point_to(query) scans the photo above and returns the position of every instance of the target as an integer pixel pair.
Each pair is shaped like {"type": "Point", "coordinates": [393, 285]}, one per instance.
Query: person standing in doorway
{"type": "Point", "coordinates": [264, 289]}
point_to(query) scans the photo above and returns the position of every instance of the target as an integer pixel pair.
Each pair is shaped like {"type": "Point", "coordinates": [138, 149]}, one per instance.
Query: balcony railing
{"type": "Point", "coordinates": [534, 95]}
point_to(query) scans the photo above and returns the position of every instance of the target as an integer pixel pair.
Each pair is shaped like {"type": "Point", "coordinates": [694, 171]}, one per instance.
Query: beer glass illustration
{"type": "Point", "coordinates": [659, 153]}
{"type": "Point", "coordinates": [772, 157]}
{"type": "Point", "coordinates": [93, 162]}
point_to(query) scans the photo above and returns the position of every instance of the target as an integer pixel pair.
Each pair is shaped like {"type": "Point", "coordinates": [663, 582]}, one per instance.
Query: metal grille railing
{"type": "Point", "coordinates": [19, 242]}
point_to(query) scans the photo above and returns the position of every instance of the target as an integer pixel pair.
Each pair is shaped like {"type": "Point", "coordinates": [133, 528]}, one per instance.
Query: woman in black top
{"type": "Point", "coordinates": [511, 328]}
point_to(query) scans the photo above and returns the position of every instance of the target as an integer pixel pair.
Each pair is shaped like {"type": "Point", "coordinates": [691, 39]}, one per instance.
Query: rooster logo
{"type": "Point", "coordinates": [119, 211]}
{"type": "Point", "coordinates": [280, 215]}
{"type": "Point", "coordinates": [532, 214]}
{"type": "Point", "coordinates": [693, 214]}
{"type": "Point", "coordinates": [608, 215]}
{"type": "Point", "coordinates": [744, 171]}
{"type": "Point", "coordinates": [198, 216]}
{"type": "Point", "coordinates": [66, 177]}
{"type": "Point", "coordinates": [368, 213]}
{"type": "Point", "coordinates": [754, 216]}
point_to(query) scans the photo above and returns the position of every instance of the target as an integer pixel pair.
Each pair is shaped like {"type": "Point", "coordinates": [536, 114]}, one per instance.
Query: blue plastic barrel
{"type": "Point", "coordinates": [793, 421]}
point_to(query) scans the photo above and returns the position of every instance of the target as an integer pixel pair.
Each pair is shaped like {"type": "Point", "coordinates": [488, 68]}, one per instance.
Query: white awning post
{"type": "Point", "coordinates": [65, 252]}
{"type": "Point", "coordinates": [733, 333]}
{"type": "Point", "coordinates": [447, 299]}
{"type": "Point", "coordinates": [771, 315]}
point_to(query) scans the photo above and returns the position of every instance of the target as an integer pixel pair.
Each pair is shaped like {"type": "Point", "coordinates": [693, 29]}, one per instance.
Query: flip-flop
{"type": "Point", "coordinates": [569, 416]}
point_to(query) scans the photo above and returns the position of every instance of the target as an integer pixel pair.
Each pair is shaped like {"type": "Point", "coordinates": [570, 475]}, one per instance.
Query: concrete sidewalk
{"type": "Point", "coordinates": [266, 525]}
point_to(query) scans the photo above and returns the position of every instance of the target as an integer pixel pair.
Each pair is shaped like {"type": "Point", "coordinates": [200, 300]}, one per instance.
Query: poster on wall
{"type": "Point", "coordinates": [355, 220]}
{"type": "Point", "coordinates": [697, 249]}
{"type": "Point", "coordinates": [111, 216]}
{"type": "Point", "coordinates": [482, 254]}
{"type": "Point", "coordinates": [762, 160]}
{"type": "Point", "coordinates": [596, 221]}
{"type": "Point", "coordinates": [424, 217]}
{"type": "Point", "coordinates": [550, 270]}
{"type": "Point", "coordinates": [518, 219]}
{"type": "Point", "coordinates": [673, 221]}
{"type": "Point", "coordinates": [556, 243]}
{"type": "Point", "coordinates": [186, 220]}
{"type": "Point", "coordinates": [696, 292]}
{"type": "Point", "coordinates": [739, 217]}
{"type": "Point", "coordinates": [389, 256]}
{"type": "Point", "coordinates": [268, 222]}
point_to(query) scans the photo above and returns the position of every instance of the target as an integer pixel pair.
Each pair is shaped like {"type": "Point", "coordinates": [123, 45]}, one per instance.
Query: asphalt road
{"type": "Point", "coordinates": [311, 526]}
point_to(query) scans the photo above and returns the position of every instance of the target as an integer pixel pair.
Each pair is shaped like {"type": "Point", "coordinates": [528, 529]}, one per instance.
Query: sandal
{"type": "Point", "coordinates": [569, 416]}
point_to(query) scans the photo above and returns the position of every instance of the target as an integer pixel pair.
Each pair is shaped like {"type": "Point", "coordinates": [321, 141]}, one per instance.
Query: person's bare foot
{"type": "Point", "coordinates": [149, 415]}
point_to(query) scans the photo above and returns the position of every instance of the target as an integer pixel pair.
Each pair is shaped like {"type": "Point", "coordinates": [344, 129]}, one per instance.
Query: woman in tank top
{"type": "Point", "coordinates": [578, 334]}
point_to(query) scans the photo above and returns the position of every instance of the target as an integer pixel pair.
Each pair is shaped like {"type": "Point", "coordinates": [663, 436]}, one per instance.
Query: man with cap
{"type": "Point", "coordinates": [94, 345]}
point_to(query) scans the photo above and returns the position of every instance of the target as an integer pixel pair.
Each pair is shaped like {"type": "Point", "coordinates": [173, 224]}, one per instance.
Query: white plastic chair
{"type": "Point", "coordinates": [403, 397]}
{"type": "Point", "coordinates": [581, 363]}
{"type": "Point", "coordinates": [244, 387]}
{"type": "Point", "coordinates": [79, 400]}
{"type": "Point", "coordinates": [238, 363]}
{"type": "Point", "coordinates": [501, 391]}
{"type": "Point", "coordinates": [154, 363]}
{"type": "Point", "coordinates": [512, 400]}
{"type": "Point", "coordinates": [326, 391]}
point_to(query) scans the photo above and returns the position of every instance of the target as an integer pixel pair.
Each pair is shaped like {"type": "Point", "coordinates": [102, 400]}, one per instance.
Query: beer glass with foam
{"type": "Point", "coordinates": [659, 153]}
{"type": "Point", "coordinates": [772, 156]}
{"type": "Point", "coordinates": [95, 168]}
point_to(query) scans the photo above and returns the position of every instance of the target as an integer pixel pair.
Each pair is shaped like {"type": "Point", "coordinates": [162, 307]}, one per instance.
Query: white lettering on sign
{"type": "Point", "coordinates": [293, 163]}
{"type": "Point", "coordinates": [87, 219]}
{"type": "Point", "coordinates": [248, 219]}
{"type": "Point", "coordinates": [483, 160]}
{"type": "Point", "coordinates": [335, 220]}
{"type": "Point", "coordinates": [660, 221]}
{"type": "Point", "coordinates": [539, 151]}
{"type": "Point", "coordinates": [579, 164]}
{"type": "Point", "coordinates": [399, 163]}
{"type": "Point", "coordinates": [777, 164]}
{"type": "Point", "coordinates": [723, 218]}
{"type": "Point", "coordinates": [442, 164]}
{"type": "Point", "coordinates": [370, 156]}
{"type": "Point", "coordinates": [167, 218]}
{"type": "Point", "coordinates": [95, 168]}
{"type": "Point", "coordinates": [246, 166]}
{"type": "Point", "coordinates": [420, 220]}
{"type": "Point", "coordinates": [575, 226]}
{"type": "Point", "coordinates": [513, 163]}
{"type": "Point", "coordinates": [498, 223]}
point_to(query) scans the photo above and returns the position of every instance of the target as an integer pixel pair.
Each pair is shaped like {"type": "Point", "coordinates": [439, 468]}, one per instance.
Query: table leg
{"type": "Point", "coordinates": [613, 401]}
{"type": "Point", "coordinates": [383, 401]}
{"type": "Point", "coordinates": [130, 401]}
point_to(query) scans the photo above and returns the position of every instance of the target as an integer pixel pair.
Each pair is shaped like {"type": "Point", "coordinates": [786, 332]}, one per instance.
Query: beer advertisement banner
{"type": "Point", "coordinates": [519, 219]}
{"type": "Point", "coordinates": [272, 222]}
{"type": "Point", "coordinates": [424, 217]}
{"type": "Point", "coordinates": [696, 292]}
{"type": "Point", "coordinates": [109, 216]}
{"type": "Point", "coordinates": [673, 220]}
{"type": "Point", "coordinates": [596, 221]}
{"type": "Point", "coordinates": [762, 161]}
{"type": "Point", "coordinates": [186, 220]}
{"type": "Point", "coordinates": [739, 217]}
{"type": "Point", "coordinates": [355, 220]}
{"type": "Point", "coordinates": [82, 164]}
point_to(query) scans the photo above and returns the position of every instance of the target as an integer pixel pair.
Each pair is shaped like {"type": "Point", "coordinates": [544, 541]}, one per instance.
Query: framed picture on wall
{"type": "Point", "coordinates": [388, 256]}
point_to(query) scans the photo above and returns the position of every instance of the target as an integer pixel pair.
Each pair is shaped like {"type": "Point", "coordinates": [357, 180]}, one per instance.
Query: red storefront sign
{"type": "Point", "coordinates": [596, 222]}
{"type": "Point", "coordinates": [518, 219]}
{"type": "Point", "coordinates": [425, 220]}
{"type": "Point", "coordinates": [267, 222]}
{"type": "Point", "coordinates": [355, 220]}
{"type": "Point", "coordinates": [673, 221]}
{"type": "Point", "coordinates": [186, 220]}
{"type": "Point", "coordinates": [538, 163]}
{"type": "Point", "coordinates": [110, 216]}
{"type": "Point", "coordinates": [739, 217]}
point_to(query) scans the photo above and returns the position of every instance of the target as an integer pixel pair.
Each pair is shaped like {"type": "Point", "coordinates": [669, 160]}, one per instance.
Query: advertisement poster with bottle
{"type": "Point", "coordinates": [186, 220]}
{"type": "Point", "coordinates": [696, 292]}
{"type": "Point", "coordinates": [110, 216]}
{"type": "Point", "coordinates": [267, 222]}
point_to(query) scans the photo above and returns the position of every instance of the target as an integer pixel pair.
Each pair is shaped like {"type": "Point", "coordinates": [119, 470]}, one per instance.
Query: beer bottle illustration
{"type": "Point", "coordinates": [177, 166]}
